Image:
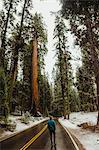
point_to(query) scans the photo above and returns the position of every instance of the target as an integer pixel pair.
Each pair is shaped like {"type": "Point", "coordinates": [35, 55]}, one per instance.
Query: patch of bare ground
{"type": "Point", "coordinates": [89, 126]}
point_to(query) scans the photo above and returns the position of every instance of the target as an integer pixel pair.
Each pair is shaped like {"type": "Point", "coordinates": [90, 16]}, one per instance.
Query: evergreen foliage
{"type": "Point", "coordinates": [83, 16]}
{"type": "Point", "coordinates": [18, 28]}
{"type": "Point", "coordinates": [86, 84]}
{"type": "Point", "coordinates": [6, 21]}
{"type": "Point", "coordinates": [63, 75]}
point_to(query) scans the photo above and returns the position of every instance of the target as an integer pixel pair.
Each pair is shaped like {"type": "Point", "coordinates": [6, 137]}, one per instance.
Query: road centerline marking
{"type": "Point", "coordinates": [33, 139]}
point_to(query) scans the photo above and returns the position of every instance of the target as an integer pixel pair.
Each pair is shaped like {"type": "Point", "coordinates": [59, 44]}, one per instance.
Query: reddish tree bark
{"type": "Point", "coordinates": [35, 98]}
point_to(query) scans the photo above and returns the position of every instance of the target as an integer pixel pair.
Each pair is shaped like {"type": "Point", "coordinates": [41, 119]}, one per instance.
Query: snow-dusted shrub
{"type": "Point", "coordinates": [24, 120]}
{"type": "Point", "coordinates": [8, 124]}
{"type": "Point", "coordinates": [27, 114]}
{"type": "Point", "coordinates": [11, 125]}
{"type": "Point", "coordinates": [3, 121]}
{"type": "Point", "coordinates": [32, 118]}
{"type": "Point", "coordinates": [16, 113]}
{"type": "Point", "coordinates": [26, 117]}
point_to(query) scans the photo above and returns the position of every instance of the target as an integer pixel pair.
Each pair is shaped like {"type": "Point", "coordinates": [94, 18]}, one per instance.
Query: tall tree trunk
{"type": "Point", "coordinates": [97, 83]}
{"type": "Point", "coordinates": [14, 66]}
{"type": "Point", "coordinates": [3, 66]}
{"type": "Point", "coordinates": [15, 55]}
{"type": "Point", "coordinates": [94, 57]}
{"type": "Point", "coordinates": [18, 45]}
{"type": "Point", "coordinates": [44, 94]}
{"type": "Point", "coordinates": [2, 53]}
{"type": "Point", "coordinates": [13, 74]}
{"type": "Point", "coordinates": [66, 74]}
{"type": "Point", "coordinates": [62, 80]}
{"type": "Point", "coordinates": [35, 99]}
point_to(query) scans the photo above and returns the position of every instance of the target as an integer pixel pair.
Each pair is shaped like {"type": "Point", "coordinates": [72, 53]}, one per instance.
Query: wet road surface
{"type": "Point", "coordinates": [63, 141]}
{"type": "Point", "coordinates": [16, 142]}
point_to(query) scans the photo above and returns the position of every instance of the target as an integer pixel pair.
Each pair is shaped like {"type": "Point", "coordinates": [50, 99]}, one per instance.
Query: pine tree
{"type": "Point", "coordinates": [83, 16]}
{"type": "Point", "coordinates": [18, 41]}
{"type": "Point", "coordinates": [27, 77]}
{"type": "Point", "coordinates": [86, 84]}
{"type": "Point", "coordinates": [63, 58]}
{"type": "Point", "coordinates": [45, 95]}
{"type": "Point", "coordinates": [57, 103]}
{"type": "Point", "coordinates": [6, 21]}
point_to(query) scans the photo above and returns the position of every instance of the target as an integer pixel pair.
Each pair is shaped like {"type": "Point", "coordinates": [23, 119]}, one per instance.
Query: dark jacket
{"type": "Point", "coordinates": [51, 125]}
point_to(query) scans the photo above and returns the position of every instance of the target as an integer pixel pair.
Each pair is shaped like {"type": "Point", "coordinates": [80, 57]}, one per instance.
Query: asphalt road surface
{"type": "Point", "coordinates": [63, 141]}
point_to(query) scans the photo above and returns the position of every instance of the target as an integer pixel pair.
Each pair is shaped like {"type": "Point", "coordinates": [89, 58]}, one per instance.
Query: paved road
{"type": "Point", "coordinates": [16, 142]}
{"type": "Point", "coordinates": [63, 142]}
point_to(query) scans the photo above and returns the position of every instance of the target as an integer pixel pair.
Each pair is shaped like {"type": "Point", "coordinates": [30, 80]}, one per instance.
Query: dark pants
{"type": "Point", "coordinates": [52, 135]}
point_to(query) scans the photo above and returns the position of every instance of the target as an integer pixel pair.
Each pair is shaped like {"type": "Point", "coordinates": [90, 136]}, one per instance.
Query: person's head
{"type": "Point", "coordinates": [51, 118]}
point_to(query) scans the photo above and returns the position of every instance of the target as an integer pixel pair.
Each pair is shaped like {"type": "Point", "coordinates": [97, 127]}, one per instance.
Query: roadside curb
{"type": "Point", "coordinates": [78, 142]}
{"type": "Point", "coordinates": [18, 132]}
{"type": "Point", "coordinates": [74, 140]}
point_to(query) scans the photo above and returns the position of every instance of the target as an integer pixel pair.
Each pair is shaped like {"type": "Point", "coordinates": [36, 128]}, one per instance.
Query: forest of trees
{"type": "Point", "coordinates": [23, 41]}
{"type": "Point", "coordinates": [84, 21]}
{"type": "Point", "coordinates": [23, 47]}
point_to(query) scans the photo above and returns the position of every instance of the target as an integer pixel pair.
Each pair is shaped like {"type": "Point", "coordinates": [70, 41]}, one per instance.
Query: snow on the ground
{"type": "Point", "coordinates": [89, 139]}
{"type": "Point", "coordinates": [21, 126]}
{"type": "Point", "coordinates": [82, 117]}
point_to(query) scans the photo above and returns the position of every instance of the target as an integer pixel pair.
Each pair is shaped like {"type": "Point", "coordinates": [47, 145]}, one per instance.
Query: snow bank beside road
{"type": "Point", "coordinates": [89, 139]}
{"type": "Point", "coordinates": [21, 126]}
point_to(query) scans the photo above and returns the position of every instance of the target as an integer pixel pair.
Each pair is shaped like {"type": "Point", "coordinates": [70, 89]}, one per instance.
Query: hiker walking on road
{"type": "Point", "coordinates": [52, 128]}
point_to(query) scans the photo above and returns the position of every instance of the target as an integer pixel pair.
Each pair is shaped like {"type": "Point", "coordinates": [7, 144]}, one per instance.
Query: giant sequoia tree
{"type": "Point", "coordinates": [39, 50]}
{"type": "Point", "coordinates": [20, 32]}
{"type": "Point", "coordinates": [83, 16]}
{"type": "Point", "coordinates": [32, 57]}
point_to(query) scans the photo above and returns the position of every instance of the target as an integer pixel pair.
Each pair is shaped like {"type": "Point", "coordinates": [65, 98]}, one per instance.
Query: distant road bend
{"type": "Point", "coordinates": [37, 138]}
